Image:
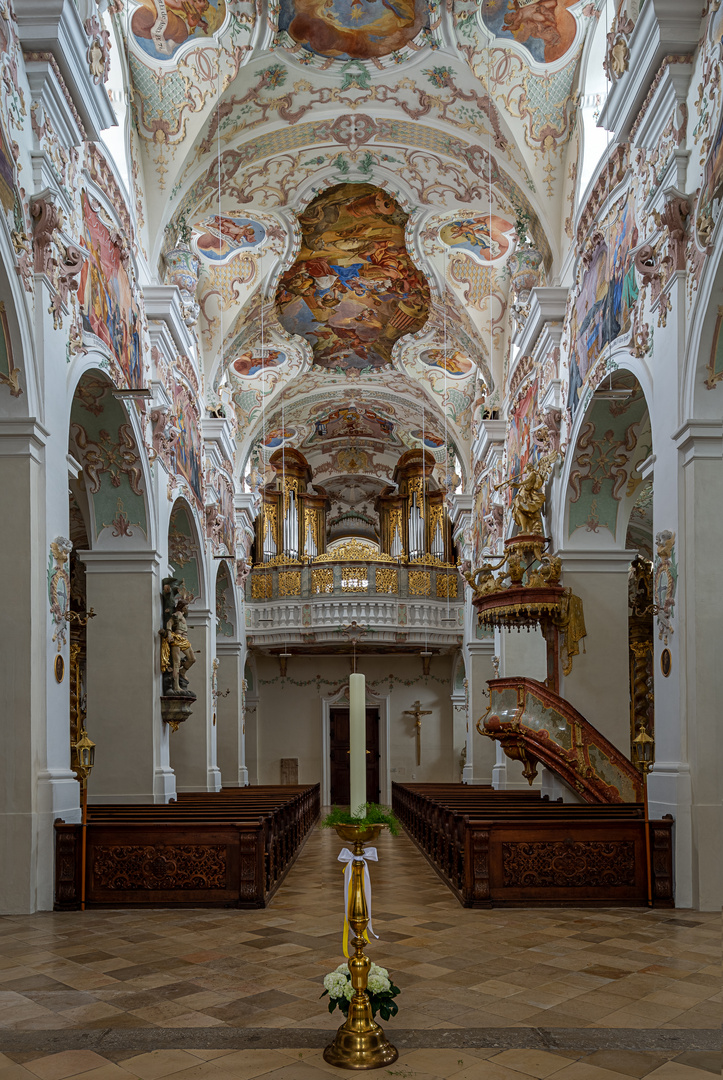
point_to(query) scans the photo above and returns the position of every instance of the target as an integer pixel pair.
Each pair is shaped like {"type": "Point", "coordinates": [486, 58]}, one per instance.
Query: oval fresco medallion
{"type": "Point", "coordinates": [482, 237]}
{"type": "Point", "coordinates": [218, 236]}
{"type": "Point", "coordinates": [451, 361]}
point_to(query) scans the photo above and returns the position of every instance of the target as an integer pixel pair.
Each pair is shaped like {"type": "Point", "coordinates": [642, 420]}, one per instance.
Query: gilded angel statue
{"type": "Point", "coordinates": [529, 498]}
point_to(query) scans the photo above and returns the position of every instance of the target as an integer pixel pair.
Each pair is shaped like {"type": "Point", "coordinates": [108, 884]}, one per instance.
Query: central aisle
{"type": "Point", "coordinates": [214, 994]}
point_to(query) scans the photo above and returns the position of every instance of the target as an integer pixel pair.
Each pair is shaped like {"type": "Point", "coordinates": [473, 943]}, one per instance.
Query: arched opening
{"type": "Point", "coordinates": [608, 525]}
{"type": "Point", "coordinates": [194, 742]}
{"type": "Point", "coordinates": [227, 683]}
{"type": "Point", "coordinates": [114, 573]}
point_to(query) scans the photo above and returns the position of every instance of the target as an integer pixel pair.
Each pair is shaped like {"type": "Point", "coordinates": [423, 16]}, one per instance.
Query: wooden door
{"type": "Point", "coordinates": [339, 755]}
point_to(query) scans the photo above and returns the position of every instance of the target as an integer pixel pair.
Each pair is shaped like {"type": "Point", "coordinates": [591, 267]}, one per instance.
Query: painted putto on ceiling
{"type": "Point", "coordinates": [545, 27]}
{"type": "Point", "coordinates": [353, 290]}
{"type": "Point", "coordinates": [161, 27]}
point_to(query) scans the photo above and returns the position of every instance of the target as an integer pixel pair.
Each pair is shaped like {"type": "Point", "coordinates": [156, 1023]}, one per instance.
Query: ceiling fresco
{"type": "Point", "coordinates": [218, 236]}
{"type": "Point", "coordinates": [349, 173]}
{"type": "Point", "coordinates": [353, 290]}
{"type": "Point", "coordinates": [487, 239]}
{"type": "Point", "coordinates": [353, 29]}
{"type": "Point", "coordinates": [161, 27]}
{"type": "Point", "coordinates": [546, 28]}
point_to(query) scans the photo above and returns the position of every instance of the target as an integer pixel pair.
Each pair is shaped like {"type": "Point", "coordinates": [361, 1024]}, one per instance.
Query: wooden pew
{"type": "Point", "coordinates": [229, 848]}
{"type": "Point", "coordinates": [515, 848]}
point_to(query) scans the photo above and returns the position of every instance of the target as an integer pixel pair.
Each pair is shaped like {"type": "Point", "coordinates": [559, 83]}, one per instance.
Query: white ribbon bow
{"type": "Point", "coordinates": [347, 857]}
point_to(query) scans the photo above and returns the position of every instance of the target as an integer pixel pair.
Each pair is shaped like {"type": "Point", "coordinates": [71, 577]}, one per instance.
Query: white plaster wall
{"type": "Point", "coordinates": [289, 717]}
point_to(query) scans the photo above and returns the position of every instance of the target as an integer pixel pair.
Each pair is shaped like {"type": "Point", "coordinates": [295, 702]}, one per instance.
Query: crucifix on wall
{"type": "Point", "coordinates": [418, 712]}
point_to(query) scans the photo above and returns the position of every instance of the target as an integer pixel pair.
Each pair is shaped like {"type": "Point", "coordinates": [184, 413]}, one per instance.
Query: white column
{"type": "Point", "coordinates": [669, 785]}
{"type": "Point", "coordinates": [28, 803]}
{"type": "Point", "coordinates": [480, 749]}
{"type": "Point", "coordinates": [230, 737]}
{"type": "Point", "coordinates": [124, 679]}
{"type": "Point", "coordinates": [522, 654]}
{"type": "Point", "coordinates": [688, 740]}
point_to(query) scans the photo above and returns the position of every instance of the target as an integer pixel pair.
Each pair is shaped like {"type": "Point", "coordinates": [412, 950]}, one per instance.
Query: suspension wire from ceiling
{"type": "Point", "coordinates": [609, 183]}
{"type": "Point", "coordinates": [218, 195]}
{"type": "Point", "coordinates": [446, 441]}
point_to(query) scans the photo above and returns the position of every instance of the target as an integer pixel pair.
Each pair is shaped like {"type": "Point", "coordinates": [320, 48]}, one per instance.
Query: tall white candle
{"type": "Point", "coordinates": [357, 742]}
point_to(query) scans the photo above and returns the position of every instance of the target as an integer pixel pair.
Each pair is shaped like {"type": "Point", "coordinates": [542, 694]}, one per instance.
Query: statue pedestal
{"type": "Point", "coordinates": [174, 710]}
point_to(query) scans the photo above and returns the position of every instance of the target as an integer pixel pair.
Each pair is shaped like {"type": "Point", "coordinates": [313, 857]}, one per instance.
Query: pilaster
{"type": "Point", "coordinates": [193, 749]}
{"type": "Point", "coordinates": [123, 678]}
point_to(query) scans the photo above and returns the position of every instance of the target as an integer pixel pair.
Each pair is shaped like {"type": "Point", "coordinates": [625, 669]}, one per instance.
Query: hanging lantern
{"type": "Point", "coordinates": [84, 756]}
{"type": "Point", "coordinates": [643, 751]}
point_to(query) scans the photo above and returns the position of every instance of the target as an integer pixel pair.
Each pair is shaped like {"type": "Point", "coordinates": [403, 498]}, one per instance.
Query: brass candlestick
{"type": "Point", "coordinates": [360, 1043]}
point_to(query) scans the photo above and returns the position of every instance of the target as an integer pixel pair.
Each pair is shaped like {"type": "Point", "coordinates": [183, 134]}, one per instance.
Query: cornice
{"type": "Point", "coordinates": [163, 304]}
{"type": "Point", "coordinates": [700, 440]}
{"type": "Point", "coordinates": [547, 305]}
{"type": "Point", "coordinates": [664, 27]}
{"type": "Point", "coordinates": [47, 87]}
{"type": "Point", "coordinates": [116, 561]}
{"type": "Point", "coordinates": [218, 431]}
{"type": "Point", "coordinates": [582, 561]}
{"type": "Point", "coordinates": [458, 506]}
{"type": "Point", "coordinates": [668, 90]}
{"type": "Point", "coordinates": [23, 437]}
{"type": "Point", "coordinates": [55, 26]}
{"type": "Point", "coordinates": [491, 436]}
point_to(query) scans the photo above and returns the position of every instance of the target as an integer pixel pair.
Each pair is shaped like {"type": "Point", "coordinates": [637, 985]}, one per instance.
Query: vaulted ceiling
{"type": "Point", "coordinates": [349, 173]}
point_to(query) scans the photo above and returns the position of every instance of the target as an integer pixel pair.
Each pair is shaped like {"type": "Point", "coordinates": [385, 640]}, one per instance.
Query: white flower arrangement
{"type": "Point", "coordinates": [381, 990]}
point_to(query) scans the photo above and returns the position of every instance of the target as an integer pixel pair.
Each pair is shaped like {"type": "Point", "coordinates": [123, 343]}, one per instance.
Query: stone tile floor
{"type": "Point", "coordinates": [637, 984]}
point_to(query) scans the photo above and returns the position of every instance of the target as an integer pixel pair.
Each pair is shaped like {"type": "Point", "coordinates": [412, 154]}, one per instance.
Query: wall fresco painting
{"type": "Point", "coordinates": [102, 440]}
{"type": "Point", "coordinates": [224, 605]}
{"type": "Point", "coordinates": [483, 237]}
{"type": "Point", "coordinates": [353, 290]}
{"type": "Point", "coordinates": [218, 237]}
{"type": "Point", "coordinates": [161, 27]}
{"type": "Point", "coordinates": [188, 441]}
{"type": "Point", "coordinates": [545, 27]}
{"type": "Point", "coordinates": [107, 304]}
{"type": "Point", "coordinates": [353, 29]}
{"type": "Point", "coordinates": [602, 310]}
{"type": "Point", "coordinates": [712, 187]}
{"type": "Point", "coordinates": [520, 443]}
{"type": "Point", "coordinates": [454, 362]}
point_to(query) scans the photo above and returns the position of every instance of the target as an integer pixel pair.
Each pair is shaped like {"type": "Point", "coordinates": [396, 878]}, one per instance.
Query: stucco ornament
{"type": "Point", "coordinates": [59, 587]}
{"type": "Point", "coordinates": [665, 583]}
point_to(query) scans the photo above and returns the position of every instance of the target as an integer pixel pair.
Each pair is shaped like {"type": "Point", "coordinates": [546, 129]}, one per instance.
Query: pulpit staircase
{"type": "Point", "coordinates": [534, 725]}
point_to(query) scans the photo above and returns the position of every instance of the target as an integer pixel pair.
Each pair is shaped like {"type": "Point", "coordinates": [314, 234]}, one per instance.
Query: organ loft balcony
{"type": "Point", "coordinates": [408, 604]}
{"type": "Point", "coordinates": [397, 583]}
